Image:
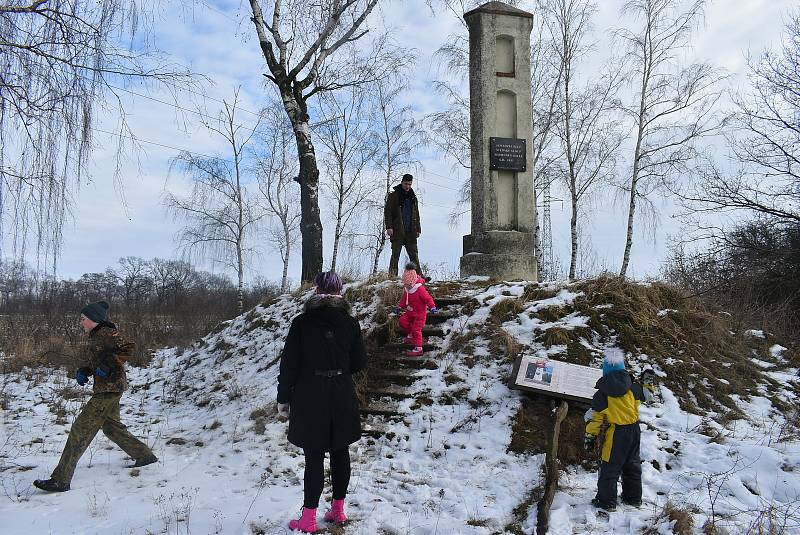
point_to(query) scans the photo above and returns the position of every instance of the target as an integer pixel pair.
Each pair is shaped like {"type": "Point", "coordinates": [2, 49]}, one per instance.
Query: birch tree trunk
{"type": "Point", "coordinates": [286, 256]}
{"type": "Point", "coordinates": [573, 232]}
{"type": "Point", "coordinates": [676, 102]}
{"type": "Point", "coordinates": [337, 233]}
{"type": "Point", "coordinates": [308, 178]}
{"type": "Point", "coordinates": [589, 133]}
{"type": "Point", "coordinates": [295, 61]}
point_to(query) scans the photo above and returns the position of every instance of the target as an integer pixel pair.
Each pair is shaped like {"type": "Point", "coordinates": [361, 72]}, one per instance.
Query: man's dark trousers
{"type": "Point", "coordinates": [410, 243]}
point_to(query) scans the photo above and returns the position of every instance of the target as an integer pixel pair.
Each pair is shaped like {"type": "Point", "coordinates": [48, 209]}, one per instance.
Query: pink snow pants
{"type": "Point", "coordinates": [412, 325]}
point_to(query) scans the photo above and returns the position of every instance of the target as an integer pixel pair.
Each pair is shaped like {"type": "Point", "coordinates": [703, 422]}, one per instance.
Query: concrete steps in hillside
{"type": "Point", "coordinates": [393, 376]}
{"type": "Point", "coordinates": [379, 408]}
{"type": "Point", "coordinates": [391, 373]}
{"type": "Point", "coordinates": [392, 392]}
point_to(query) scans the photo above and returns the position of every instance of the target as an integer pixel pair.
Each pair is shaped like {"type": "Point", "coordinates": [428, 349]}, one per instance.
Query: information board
{"type": "Point", "coordinates": [507, 154]}
{"type": "Point", "coordinates": [555, 378]}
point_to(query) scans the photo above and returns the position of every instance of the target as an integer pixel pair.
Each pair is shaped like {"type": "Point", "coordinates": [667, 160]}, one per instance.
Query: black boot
{"type": "Point", "coordinates": [144, 461]}
{"type": "Point", "coordinates": [610, 507]}
{"type": "Point", "coordinates": [51, 485]}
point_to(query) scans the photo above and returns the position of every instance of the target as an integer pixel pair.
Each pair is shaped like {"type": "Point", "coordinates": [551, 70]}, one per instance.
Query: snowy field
{"type": "Point", "coordinates": [226, 467]}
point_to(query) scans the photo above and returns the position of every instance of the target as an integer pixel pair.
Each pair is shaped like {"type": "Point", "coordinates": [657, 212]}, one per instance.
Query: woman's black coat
{"type": "Point", "coordinates": [324, 411]}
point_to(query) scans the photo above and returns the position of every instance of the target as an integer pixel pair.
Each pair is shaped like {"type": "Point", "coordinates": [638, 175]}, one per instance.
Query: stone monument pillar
{"type": "Point", "coordinates": [501, 244]}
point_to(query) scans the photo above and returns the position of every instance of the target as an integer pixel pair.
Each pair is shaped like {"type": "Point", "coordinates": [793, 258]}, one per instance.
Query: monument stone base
{"type": "Point", "coordinates": [499, 254]}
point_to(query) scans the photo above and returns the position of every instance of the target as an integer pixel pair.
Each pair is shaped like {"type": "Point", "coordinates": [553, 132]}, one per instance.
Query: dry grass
{"type": "Point", "coordinates": [680, 519]}
{"type": "Point", "coordinates": [390, 294]}
{"type": "Point", "coordinates": [47, 351]}
{"type": "Point", "coordinates": [536, 292]}
{"type": "Point", "coordinates": [461, 342]}
{"type": "Point", "coordinates": [556, 336]}
{"type": "Point", "coordinates": [706, 362]}
{"type": "Point", "coordinates": [684, 522]}
{"type": "Point", "coordinates": [506, 310]}
{"type": "Point", "coordinates": [507, 343]}
{"type": "Point", "coordinates": [551, 314]}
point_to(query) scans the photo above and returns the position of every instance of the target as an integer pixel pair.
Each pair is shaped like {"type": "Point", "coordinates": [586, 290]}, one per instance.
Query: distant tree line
{"type": "Point", "coordinates": [157, 303]}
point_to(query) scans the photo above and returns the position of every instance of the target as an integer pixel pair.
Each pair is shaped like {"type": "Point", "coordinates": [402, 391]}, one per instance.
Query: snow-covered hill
{"type": "Point", "coordinates": [447, 466]}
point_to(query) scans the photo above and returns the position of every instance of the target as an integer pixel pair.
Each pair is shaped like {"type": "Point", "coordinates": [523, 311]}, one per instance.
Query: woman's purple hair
{"type": "Point", "coordinates": [328, 282]}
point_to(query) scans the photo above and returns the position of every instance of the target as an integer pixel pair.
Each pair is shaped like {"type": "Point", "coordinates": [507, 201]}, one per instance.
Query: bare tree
{"type": "Point", "coordinates": [59, 60]}
{"type": "Point", "coordinates": [448, 129]}
{"type": "Point", "coordinates": [674, 103]}
{"type": "Point", "coordinates": [171, 279]}
{"type": "Point", "coordinates": [220, 213]}
{"type": "Point", "coordinates": [397, 137]}
{"type": "Point", "coordinates": [590, 137]}
{"type": "Point", "coordinates": [344, 131]}
{"type": "Point", "coordinates": [133, 275]}
{"type": "Point", "coordinates": [299, 40]}
{"type": "Point", "coordinates": [761, 179]}
{"type": "Point", "coordinates": [276, 170]}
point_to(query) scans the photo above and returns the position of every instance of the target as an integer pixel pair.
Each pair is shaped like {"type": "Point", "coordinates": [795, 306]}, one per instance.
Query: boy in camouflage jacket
{"type": "Point", "coordinates": [104, 353]}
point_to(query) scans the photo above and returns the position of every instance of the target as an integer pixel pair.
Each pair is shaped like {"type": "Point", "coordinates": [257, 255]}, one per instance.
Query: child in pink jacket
{"type": "Point", "coordinates": [414, 306]}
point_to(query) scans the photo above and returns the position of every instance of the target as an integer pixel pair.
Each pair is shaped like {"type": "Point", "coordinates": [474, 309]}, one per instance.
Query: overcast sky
{"type": "Point", "coordinates": [217, 42]}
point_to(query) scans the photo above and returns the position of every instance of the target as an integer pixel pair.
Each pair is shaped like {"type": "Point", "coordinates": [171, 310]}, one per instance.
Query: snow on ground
{"type": "Point", "coordinates": [226, 469]}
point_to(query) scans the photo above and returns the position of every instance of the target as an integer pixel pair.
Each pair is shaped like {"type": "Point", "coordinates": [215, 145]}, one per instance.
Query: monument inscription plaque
{"type": "Point", "coordinates": [507, 154]}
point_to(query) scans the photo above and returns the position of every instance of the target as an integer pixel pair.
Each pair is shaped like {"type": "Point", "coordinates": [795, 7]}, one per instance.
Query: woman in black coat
{"type": "Point", "coordinates": [315, 390]}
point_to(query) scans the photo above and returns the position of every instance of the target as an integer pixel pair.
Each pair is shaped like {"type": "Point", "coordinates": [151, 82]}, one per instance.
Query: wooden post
{"type": "Point", "coordinates": [551, 473]}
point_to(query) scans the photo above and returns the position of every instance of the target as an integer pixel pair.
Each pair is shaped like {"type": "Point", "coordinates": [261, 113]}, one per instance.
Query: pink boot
{"type": "Point", "coordinates": [307, 523]}
{"type": "Point", "coordinates": [416, 352]}
{"type": "Point", "coordinates": [336, 513]}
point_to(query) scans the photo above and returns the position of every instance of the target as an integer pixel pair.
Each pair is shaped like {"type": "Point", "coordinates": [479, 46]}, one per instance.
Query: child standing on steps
{"type": "Point", "coordinates": [414, 305]}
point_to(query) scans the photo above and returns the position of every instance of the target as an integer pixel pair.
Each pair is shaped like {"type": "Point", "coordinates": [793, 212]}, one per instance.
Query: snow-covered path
{"type": "Point", "coordinates": [226, 467]}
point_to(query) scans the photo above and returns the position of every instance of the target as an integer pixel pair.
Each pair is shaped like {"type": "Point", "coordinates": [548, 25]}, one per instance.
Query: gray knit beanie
{"type": "Point", "coordinates": [97, 312]}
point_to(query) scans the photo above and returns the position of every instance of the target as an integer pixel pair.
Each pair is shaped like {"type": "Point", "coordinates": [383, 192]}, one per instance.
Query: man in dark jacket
{"type": "Point", "coordinates": [615, 410]}
{"type": "Point", "coordinates": [401, 219]}
{"type": "Point", "coordinates": [104, 353]}
{"type": "Point", "coordinates": [323, 349]}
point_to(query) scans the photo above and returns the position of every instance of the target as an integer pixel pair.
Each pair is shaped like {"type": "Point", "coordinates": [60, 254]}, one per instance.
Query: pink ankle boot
{"type": "Point", "coordinates": [307, 523]}
{"type": "Point", "coordinates": [416, 352]}
{"type": "Point", "coordinates": [336, 513]}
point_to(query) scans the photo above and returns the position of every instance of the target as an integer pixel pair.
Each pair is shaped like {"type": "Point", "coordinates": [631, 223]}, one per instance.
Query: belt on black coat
{"type": "Point", "coordinates": [327, 373]}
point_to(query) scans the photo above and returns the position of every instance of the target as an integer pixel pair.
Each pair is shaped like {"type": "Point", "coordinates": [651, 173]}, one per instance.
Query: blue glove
{"type": "Point", "coordinates": [398, 310]}
{"type": "Point", "coordinates": [102, 371]}
{"type": "Point", "coordinates": [82, 375]}
{"type": "Point", "coordinates": [108, 366]}
{"type": "Point", "coordinates": [434, 310]}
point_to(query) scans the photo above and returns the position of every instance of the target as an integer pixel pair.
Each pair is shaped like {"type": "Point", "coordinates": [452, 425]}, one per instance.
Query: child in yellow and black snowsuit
{"type": "Point", "coordinates": [615, 408]}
